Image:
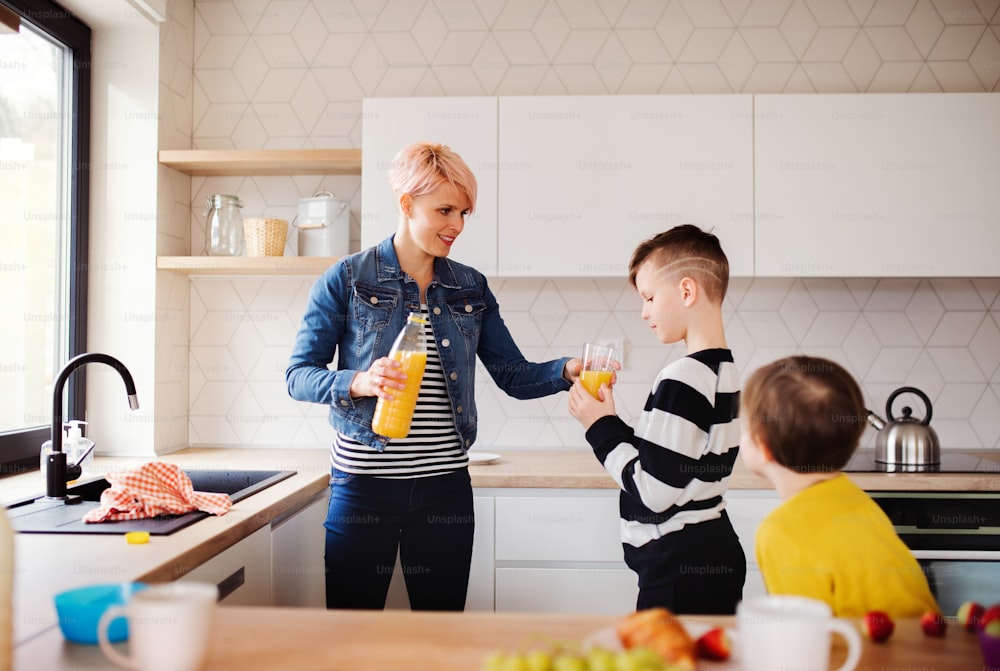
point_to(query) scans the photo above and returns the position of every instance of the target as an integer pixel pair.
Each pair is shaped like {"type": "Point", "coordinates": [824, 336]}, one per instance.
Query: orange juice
{"type": "Point", "coordinates": [392, 418]}
{"type": "Point", "coordinates": [593, 379]}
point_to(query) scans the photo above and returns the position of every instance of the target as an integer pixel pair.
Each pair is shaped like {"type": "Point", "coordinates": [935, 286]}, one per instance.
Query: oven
{"type": "Point", "coordinates": [954, 535]}
{"type": "Point", "coordinates": [956, 538]}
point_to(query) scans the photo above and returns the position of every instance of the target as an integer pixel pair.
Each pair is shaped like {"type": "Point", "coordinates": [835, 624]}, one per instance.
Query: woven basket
{"type": "Point", "coordinates": [265, 237]}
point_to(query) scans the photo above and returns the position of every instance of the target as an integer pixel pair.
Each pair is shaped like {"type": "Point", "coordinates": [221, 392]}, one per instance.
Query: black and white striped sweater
{"type": "Point", "coordinates": [674, 466]}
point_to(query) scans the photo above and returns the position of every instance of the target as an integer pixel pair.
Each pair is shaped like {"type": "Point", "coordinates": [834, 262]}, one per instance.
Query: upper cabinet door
{"type": "Point", "coordinates": [584, 179]}
{"type": "Point", "coordinates": [878, 184]}
{"type": "Point", "coordinates": [469, 127]}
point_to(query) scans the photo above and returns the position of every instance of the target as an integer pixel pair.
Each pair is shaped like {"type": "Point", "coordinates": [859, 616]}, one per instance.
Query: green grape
{"type": "Point", "coordinates": [538, 660]}
{"type": "Point", "coordinates": [645, 657]}
{"type": "Point", "coordinates": [569, 662]}
{"type": "Point", "coordinates": [516, 662]}
{"type": "Point", "coordinates": [625, 662]}
{"type": "Point", "coordinates": [638, 659]}
{"type": "Point", "coordinates": [599, 659]}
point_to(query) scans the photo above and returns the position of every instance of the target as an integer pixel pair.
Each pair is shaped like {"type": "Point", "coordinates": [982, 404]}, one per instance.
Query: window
{"type": "Point", "coordinates": [44, 168]}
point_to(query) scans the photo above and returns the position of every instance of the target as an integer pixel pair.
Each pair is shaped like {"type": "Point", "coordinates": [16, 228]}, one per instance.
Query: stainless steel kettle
{"type": "Point", "coordinates": [907, 441]}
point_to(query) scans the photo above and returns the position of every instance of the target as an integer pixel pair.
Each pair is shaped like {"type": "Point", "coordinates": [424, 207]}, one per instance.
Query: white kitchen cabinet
{"type": "Point", "coordinates": [242, 571]}
{"type": "Point", "coordinates": [585, 527]}
{"type": "Point", "coordinates": [469, 127]}
{"type": "Point", "coordinates": [877, 184]}
{"type": "Point", "coordinates": [560, 551]}
{"type": "Point", "coordinates": [610, 590]}
{"type": "Point", "coordinates": [584, 179]}
{"type": "Point", "coordinates": [746, 508]}
{"type": "Point", "coordinates": [298, 544]}
{"type": "Point", "coordinates": [480, 595]}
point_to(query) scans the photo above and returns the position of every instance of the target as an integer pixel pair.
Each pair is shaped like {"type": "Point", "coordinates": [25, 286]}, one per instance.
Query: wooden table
{"type": "Point", "coordinates": [295, 639]}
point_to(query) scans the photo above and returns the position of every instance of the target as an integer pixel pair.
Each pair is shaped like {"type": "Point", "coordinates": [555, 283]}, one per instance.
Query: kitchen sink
{"type": "Point", "coordinates": [40, 515]}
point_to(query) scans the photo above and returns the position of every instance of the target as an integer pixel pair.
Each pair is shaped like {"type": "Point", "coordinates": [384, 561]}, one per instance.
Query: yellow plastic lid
{"type": "Point", "coordinates": [137, 537]}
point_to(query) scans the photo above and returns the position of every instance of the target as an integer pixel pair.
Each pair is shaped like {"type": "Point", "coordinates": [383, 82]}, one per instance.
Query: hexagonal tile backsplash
{"type": "Point", "coordinates": [939, 335]}
{"type": "Point", "coordinates": [292, 74]}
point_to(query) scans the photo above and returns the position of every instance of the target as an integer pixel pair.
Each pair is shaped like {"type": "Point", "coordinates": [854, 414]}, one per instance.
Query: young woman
{"type": "Point", "coordinates": [411, 494]}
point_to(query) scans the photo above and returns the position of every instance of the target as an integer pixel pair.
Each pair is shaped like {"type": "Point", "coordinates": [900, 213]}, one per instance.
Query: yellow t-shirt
{"type": "Point", "coordinates": [832, 542]}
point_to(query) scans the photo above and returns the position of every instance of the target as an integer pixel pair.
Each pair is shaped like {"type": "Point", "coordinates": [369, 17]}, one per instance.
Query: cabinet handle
{"type": "Point", "coordinates": [232, 583]}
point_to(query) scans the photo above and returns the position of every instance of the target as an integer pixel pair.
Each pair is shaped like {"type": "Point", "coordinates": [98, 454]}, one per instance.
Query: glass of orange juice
{"type": "Point", "coordinates": [597, 368]}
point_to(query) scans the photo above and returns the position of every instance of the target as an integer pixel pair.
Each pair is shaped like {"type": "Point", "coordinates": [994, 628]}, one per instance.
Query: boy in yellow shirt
{"type": "Point", "coordinates": [801, 419]}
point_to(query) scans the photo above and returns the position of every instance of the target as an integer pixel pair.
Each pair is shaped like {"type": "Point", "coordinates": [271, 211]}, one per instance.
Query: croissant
{"type": "Point", "coordinates": [659, 630]}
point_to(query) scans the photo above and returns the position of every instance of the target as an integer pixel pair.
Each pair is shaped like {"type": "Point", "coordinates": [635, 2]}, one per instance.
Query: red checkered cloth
{"type": "Point", "coordinates": [151, 490]}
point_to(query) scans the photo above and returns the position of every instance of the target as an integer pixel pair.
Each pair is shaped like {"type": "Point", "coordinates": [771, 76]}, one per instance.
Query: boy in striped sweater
{"type": "Point", "coordinates": [674, 465]}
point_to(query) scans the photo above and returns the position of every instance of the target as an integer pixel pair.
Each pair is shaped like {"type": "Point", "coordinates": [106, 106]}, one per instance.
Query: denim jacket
{"type": "Point", "coordinates": [359, 305]}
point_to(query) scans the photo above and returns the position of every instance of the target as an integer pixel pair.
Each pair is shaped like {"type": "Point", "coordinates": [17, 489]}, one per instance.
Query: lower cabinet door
{"type": "Point", "coordinates": [754, 585]}
{"type": "Point", "coordinates": [242, 572]}
{"type": "Point", "coordinates": [297, 545]}
{"type": "Point", "coordinates": [599, 591]}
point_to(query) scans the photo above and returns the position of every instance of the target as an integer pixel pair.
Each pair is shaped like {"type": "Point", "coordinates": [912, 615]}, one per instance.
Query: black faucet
{"type": "Point", "coordinates": [57, 473]}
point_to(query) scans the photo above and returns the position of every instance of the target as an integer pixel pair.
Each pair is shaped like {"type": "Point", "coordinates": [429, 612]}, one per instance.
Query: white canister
{"type": "Point", "coordinates": [324, 223]}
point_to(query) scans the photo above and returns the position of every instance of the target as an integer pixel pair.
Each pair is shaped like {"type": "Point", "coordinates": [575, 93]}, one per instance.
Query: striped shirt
{"type": "Point", "coordinates": [433, 446]}
{"type": "Point", "coordinates": [674, 466]}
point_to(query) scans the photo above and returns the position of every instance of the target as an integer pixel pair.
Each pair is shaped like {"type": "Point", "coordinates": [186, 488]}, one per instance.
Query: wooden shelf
{"type": "Point", "coordinates": [245, 265]}
{"type": "Point", "coordinates": [221, 162]}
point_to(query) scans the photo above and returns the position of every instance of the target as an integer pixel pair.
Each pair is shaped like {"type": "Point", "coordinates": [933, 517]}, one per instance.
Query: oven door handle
{"type": "Point", "coordinates": [957, 555]}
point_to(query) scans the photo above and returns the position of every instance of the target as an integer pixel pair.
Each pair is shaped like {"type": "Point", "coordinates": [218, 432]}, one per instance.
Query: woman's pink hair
{"type": "Point", "coordinates": [421, 167]}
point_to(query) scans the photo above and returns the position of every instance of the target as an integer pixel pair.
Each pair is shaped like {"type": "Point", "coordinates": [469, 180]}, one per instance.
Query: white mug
{"type": "Point", "coordinates": [169, 627]}
{"type": "Point", "coordinates": [791, 633]}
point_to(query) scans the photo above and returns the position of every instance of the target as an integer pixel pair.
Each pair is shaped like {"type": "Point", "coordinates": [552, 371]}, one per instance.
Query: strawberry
{"type": "Point", "coordinates": [878, 625]}
{"type": "Point", "coordinates": [933, 624]}
{"type": "Point", "coordinates": [714, 644]}
{"type": "Point", "coordinates": [991, 614]}
{"type": "Point", "coordinates": [970, 614]}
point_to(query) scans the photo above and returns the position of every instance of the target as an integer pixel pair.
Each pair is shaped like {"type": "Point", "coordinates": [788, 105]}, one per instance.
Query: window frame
{"type": "Point", "coordinates": [19, 449]}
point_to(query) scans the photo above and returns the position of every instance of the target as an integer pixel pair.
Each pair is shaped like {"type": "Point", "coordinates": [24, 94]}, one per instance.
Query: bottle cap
{"type": "Point", "coordinates": [73, 429]}
{"type": "Point", "coordinates": [137, 537]}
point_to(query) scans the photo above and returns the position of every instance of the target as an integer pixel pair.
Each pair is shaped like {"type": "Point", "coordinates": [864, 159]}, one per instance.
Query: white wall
{"type": "Point", "coordinates": [293, 75]}
{"type": "Point", "coordinates": [122, 318]}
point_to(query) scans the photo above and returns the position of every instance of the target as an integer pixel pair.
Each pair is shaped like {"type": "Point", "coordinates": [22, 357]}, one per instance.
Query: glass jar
{"type": "Point", "coordinates": [223, 226]}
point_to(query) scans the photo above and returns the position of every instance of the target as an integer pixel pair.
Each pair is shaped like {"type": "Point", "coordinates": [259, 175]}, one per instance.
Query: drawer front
{"type": "Point", "coordinates": [558, 529]}
{"type": "Point", "coordinates": [242, 572]}
{"type": "Point", "coordinates": [601, 591]}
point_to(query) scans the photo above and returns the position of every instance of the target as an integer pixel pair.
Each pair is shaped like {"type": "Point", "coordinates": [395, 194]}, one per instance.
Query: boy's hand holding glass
{"type": "Point", "coordinates": [590, 396]}
{"type": "Point", "coordinates": [599, 366]}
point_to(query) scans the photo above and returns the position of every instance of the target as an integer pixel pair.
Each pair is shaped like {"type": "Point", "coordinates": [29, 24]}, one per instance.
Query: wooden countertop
{"type": "Point", "coordinates": [46, 564]}
{"type": "Point", "coordinates": [49, 563]}
{"type": "Point", "coordinates": [580, 469]}
{"type": "Point", "coordinates": [259, 639]}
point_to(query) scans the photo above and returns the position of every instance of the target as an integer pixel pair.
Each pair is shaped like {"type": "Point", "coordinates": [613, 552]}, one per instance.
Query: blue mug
{"type": "Point", "coordinates": [80, 610]}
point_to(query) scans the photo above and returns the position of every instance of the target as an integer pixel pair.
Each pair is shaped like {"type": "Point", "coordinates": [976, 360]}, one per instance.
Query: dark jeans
{"type": "Point", "coordinates": [697, 570]}
{"type": "Point", "coordinates": [428, 520]}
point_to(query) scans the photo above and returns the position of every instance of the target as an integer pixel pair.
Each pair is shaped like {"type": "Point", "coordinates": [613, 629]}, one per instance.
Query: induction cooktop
{"type": "Point", "coordinates": [952, 461]}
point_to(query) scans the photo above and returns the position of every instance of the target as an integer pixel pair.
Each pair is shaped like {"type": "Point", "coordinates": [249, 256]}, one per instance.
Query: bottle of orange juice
{"type": "Point", "coordinates": [392, 417]}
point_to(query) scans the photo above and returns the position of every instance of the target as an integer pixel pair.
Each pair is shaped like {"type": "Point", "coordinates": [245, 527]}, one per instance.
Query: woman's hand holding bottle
{"type": "Point", "coordinates": [383, 376]}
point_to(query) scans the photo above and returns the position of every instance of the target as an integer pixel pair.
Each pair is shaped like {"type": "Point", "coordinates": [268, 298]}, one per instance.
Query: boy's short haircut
{"type": "Point", "coordinates": [422, 167]}
{"type": "Point", "coordinates": [809, 411]}
{"type": "Point", "coordinates": [686, 250]}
